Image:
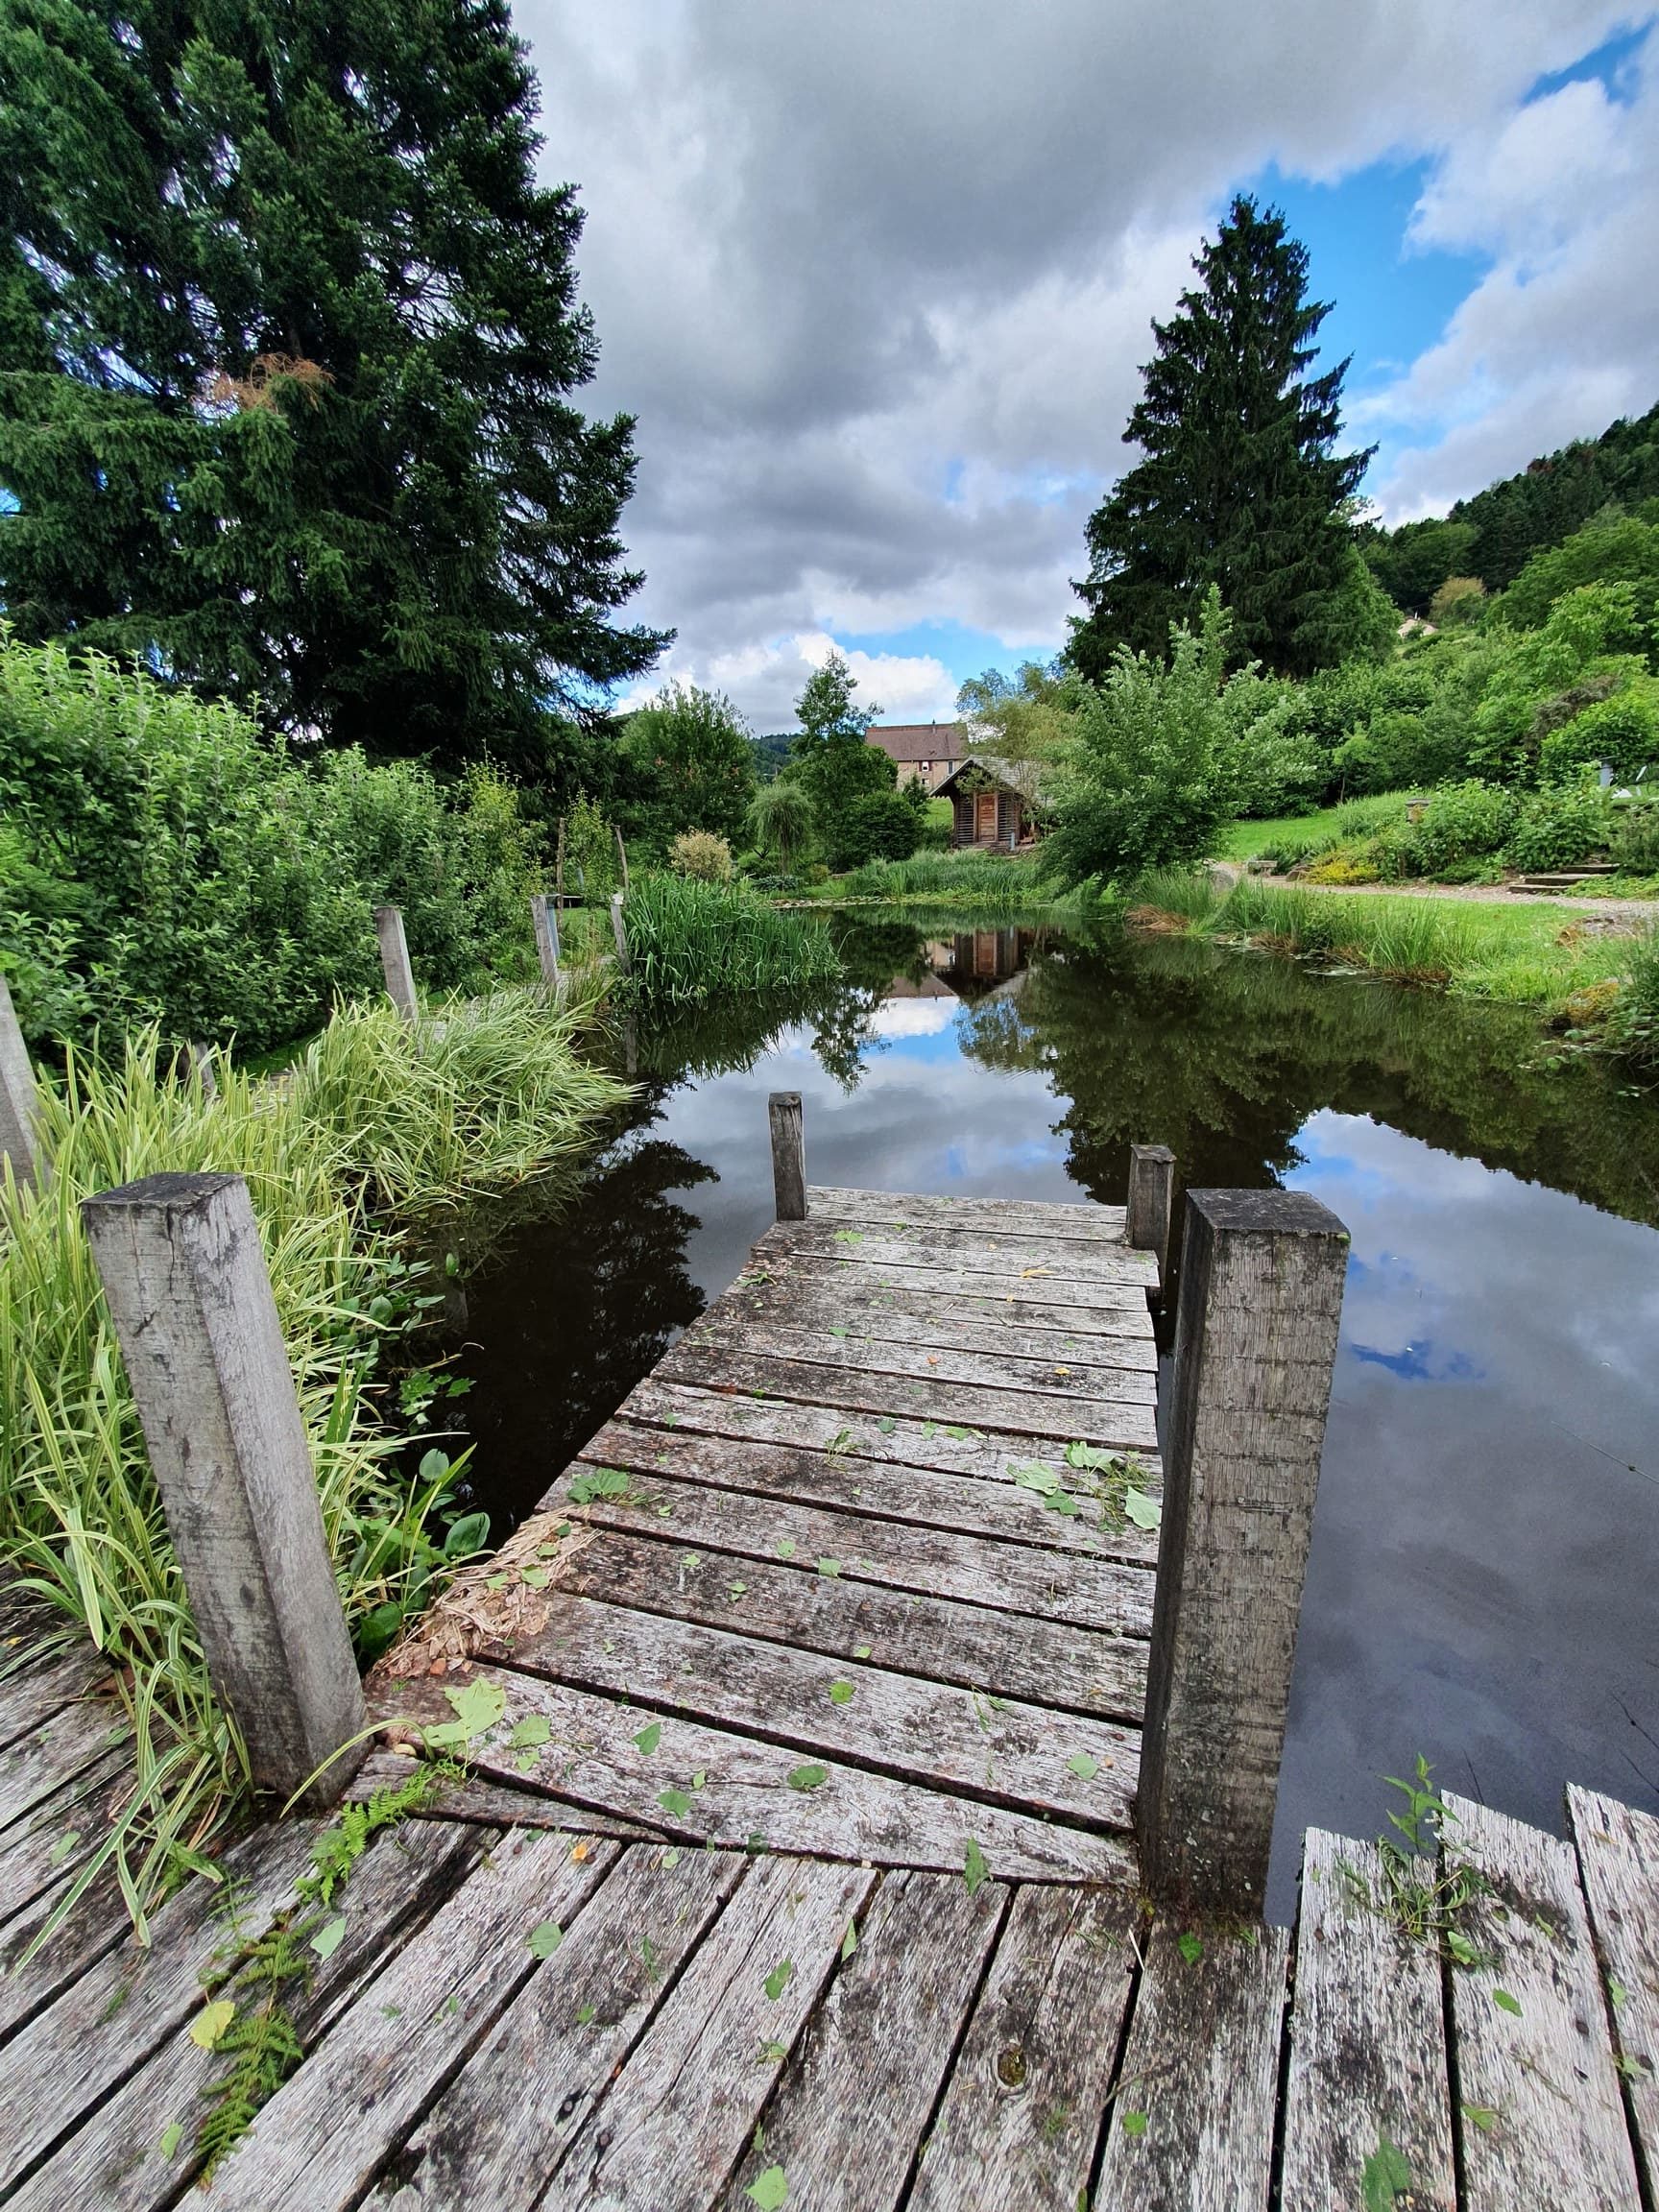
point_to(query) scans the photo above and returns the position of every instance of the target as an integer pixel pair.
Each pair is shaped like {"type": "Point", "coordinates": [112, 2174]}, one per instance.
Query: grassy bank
{"type": "Point", "coordinates": [1517, 956]}
{"type": "Point", "coordinates": [376, 1120]}
{"type": "Point", "coordinates": [982, 882]}
{"type": "Point", "coordinates": [691, 942]}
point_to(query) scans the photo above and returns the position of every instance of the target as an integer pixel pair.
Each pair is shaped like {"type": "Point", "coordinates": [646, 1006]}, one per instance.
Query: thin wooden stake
{"type": "Point", "coordinates": [202, 1067]}
{"type": "Point", "coordinates": [788, 1155]}
{"type": "Point", "coordinates": [1151, 1196]}
{"type": "Point", "coordinates": [544, 915]}
{"type": "Point", "coordinates": [20, 1101]}
{"type": "Point", "coordinates": [394, 961]}
{"type": "Point", "coordinates": [621, 859]}
{"type": "Point", "coordinates": [188, 1290]}
{"type": "Point", "coordinates": [1261, 1275]}
{"type": "Point", "coordinates": [618, 931]}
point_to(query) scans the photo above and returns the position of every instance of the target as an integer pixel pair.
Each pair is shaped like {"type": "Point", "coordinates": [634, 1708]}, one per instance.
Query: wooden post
{"type": "Point", "coordinates": [621, 859]}
{"type": "Point", "coordinates": [1261, 1275]}
{"type": "Point", "coordinates": [618, 931]}
{"type": "Point", "coordinates": [20, 1106]}
{"type": "Point", "coordinates": [788, 1155]}
{"type": "Point", "coordinates": [1151, 1196]}
{"type": "Point", "coordinates": [546, 917]}
{"type": "Point", "coordinates": [201, 1068]}
{"type": "Point", "coordinates": [187, 1290]}
{"type": "Point", "coordinates": [558, 867]}
{"type": "Point", "coordinates": [395, 960]}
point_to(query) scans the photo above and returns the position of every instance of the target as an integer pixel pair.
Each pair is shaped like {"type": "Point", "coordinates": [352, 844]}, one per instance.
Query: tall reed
{"type": "Point", "coordinates": [689, 942]}
{"type": "Point", "coordinates": [379, 1114]}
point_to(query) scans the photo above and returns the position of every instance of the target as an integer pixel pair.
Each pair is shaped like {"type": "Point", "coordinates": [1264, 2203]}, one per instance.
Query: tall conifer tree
{"type": "Point", "coordinates": [288, 335]}
{"type": "Point", "coordinates": [1241, 485]}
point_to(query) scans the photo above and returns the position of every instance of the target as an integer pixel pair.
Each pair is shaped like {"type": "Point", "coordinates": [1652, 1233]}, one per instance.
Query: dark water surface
{"type": "Point", "coordinates": [1484, 1578]}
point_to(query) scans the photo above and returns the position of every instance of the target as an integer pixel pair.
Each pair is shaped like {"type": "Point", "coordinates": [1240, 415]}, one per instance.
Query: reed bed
{"type": "Point", "coordinates": [689, 942]}
{"type": "Point", "coordinates": [989, 882]}
{"type": "Point", "coordinates": [379, 1114]}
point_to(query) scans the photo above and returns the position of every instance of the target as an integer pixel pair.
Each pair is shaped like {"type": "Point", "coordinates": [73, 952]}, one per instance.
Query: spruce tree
{"type": "Point", "coordinates": [288, 338]}
{"type": "Point", "coordinates": [1240, 486]}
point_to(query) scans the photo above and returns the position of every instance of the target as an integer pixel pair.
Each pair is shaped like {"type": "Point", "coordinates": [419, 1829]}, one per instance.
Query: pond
{"type": "Point", "coordinates": [1481, 1587]}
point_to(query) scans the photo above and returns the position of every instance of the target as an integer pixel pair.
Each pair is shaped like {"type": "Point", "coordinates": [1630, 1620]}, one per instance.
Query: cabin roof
{"type": "Point", "coordinates": [907, 741]}
{"type": "Point", "coordinates": [1023, 778]}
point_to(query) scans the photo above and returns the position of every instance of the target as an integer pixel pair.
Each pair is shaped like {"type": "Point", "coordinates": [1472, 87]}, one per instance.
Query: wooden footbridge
{"type": "Point", "coordinates": [860, 1801]}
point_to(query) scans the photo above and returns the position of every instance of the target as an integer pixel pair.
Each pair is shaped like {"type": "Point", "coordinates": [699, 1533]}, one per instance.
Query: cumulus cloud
{"type": "Point", "coordinates": [877, 281]}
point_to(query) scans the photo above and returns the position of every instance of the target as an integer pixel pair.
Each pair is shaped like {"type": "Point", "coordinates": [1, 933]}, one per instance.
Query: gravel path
{"type": "Point", "coordinates": [1481, 894]}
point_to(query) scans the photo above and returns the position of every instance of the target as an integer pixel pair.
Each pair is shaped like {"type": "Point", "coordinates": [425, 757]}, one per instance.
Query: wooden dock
{"type": "Point", "coordinates": [794, 1864]}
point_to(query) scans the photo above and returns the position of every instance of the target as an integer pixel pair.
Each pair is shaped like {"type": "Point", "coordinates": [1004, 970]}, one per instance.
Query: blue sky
{"type": "Point", "coordinates": [878, 283]}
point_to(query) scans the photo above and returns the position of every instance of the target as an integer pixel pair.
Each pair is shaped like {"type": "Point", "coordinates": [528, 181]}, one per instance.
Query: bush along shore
{"type": "Point", "coordinates": [1600, 985]}
{"type": "Point", "coordinates": [380, 1120]}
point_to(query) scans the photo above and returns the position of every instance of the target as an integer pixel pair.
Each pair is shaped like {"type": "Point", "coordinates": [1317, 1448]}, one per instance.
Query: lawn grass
{"type": "Point", "coordinates": [1244, 840]}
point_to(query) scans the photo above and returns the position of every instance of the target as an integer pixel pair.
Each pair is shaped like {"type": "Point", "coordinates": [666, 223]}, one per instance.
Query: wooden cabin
{"type": "Point", "coordinates": [994, 802]}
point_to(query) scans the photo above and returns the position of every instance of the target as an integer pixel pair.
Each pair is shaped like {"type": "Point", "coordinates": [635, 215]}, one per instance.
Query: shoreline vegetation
{"type": "Point", "coordinates": [377, 1127]}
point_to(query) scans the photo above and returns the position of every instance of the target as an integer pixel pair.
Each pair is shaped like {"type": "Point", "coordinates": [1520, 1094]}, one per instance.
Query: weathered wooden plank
{"type": "Point", "coordinates": [1368, 2047]}
{"type": "Point", "coordinates": [493, 1804]}
{"type": "Point", "coordinates": [116, 2161]}
{"type": "Point", "coordinates": [33, 1692]}
{"type": "Point", "coordinates": [1017, 2130]}
{"type": "Point", "coordinates": [57, 1838]}
{"type": "Point", "coordinates": [941, 1638]}
{"type": "Point", "coordinates": [688, 2097]}
{"type": "Point", "coordinates": [1530, 2027]}
{"type": "Point", "coordinates": [320, 2140]}
{"type": "Point", "coordinates": [1121, 1336]}
{"type": "Point", "coordinates": [40, 1763]}
{"type": "Point", "coordinates": [99, 1923]}
{"type": "Point", "coordinates": [1619, 1861]}
{"type": "Point", "coordinates": [855, 1712]}
{"type": "Point", "coordinates": [1099, 1421]}
{"type": "Point", "coordinates": [1084, 1220]}
{"type": "Point", "coordinates": [1013, 1260]}
{"type": "Point", "coordinates": [745, 1797]}
{"type": "Point", "coordinates": [880, 2043]}
{"type": "Point", "coordinates": [979, 1498]}
{"type": "Point", "coordinates": [1012, 1576]}
{"type": "Point", "coordinates": [1201, 2069]}
{"type": "Point", "coordinates": [1027, 1297]}
{"type": "Point", "coordinates": [499, 2131]}
{"type": "Point", "coordinates": [1072, 1377]}
{"type": "Point", "coordinates": [69, 2056]}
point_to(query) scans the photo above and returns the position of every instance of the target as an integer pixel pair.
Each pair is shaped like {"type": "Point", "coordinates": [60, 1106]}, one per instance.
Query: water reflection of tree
{"type": "Point", "coordinates": [1224, 1057]}
{"type": "Point", "coordinates": [569, 1309]}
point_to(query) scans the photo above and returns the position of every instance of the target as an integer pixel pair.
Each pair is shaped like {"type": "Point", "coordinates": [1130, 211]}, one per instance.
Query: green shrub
{"type": "Point", "coordinates": [878, 825]}
{"type": "Point", "coordinates": [689, 942]}
{"type": "Point", "coordinates": [700, 854]}
{"type": "Point", "coordinates": [1461, 822]}
{"type": "Point", "coordinates": [1623, 730]}
{"type": "Point", "coordinates": [1636, 1024]}
{"type": "Point", "coordinates": [1559, 825]}
{"type": "Point", "coordinates": [1634, 839]}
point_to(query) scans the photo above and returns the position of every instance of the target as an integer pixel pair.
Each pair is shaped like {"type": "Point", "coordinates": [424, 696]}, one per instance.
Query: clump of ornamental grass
{"type": "Point", "coordinates": [992, 882]}
{"type": "Point", "coordinates": [689, 942]}
{"type": "Point", "coordinates": [379, 1112]}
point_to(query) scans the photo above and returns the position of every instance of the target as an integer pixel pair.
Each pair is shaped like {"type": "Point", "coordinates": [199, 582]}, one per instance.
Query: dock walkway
{"type": "Point", "coordinates": [792, 1866]}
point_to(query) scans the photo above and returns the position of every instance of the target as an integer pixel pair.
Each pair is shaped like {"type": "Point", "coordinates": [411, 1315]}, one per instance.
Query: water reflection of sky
{"type": "Point", "coordinates": [1481, 1581]}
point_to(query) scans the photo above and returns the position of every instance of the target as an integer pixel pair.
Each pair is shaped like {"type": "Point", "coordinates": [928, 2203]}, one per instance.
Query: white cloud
{"type": "Point", "coordinates": [877, 280]}
{"type": "Point", "coordinates": [766, 678]}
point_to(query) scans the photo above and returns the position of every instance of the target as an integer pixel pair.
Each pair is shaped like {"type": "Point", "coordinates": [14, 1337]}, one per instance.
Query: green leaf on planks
{"type": "Point", "coordinates": [848, 1236]}
{"type": "Point", "coordinates": [172, 2135]}
{"type": "Point", "coordinates": [545, 1938]}
{"type": "Point", "coordinates": [1080, 1455]}
{"type": "Point", "coordinates": [886, 1424]}
{"type": "Point", "coordinates": [597, 1483]}
{"type": "Point", "coordinates": [769, 2191]}
{"type": "Point", "coordinates": [862, 1651]}
{"type": "Point", "coordinates": [207, 2029]}
{"type": "Point", "coordinates": [784, 1546]}
{"type": "Point", "coordinates": [534, 1728]}
{"type": "Point", "coordinates": [675, 1802]}
{"type": "Point", "coordinates": [841, 1442]}
{"type": "Point", "coordinates": [780, 1979]}
{"type": "Point", "coordinates": [1145, 1512]}
{"type": "Point", "coordinates": [64, 1845]}
{"type": "Point", "coordinates": [1084, 1764]}
{"type": "Point", "coordinates": [1061, 1502]}
{"type": "Point", "coordinates": [584, 2014]}
{"type": "Point", "coordinates": [1190, 1946]}
{"type": "Point", "coordinates": [698, 1779]}
{"type": "Point", "coordinates": [974, 1868]}
{"type": "Point", "coordinates": [525, 1762]}
{"type": "Point", "coordinates": [840, 1692]}
{"type": "Point", "coordinates": [649, 1736]}
{"type": "Point", "coordinates": [1036, 1475]}
{"type": "Point", "coordinates": [1133, 2124]}
{"type": "Point", "coordinates": [962, 1435]}
{"type": "Point", "coordinates": [1386, 2179]}
{"type": "Point", "coordinates": [1617, 1993]}
{"type": "Point", "coordinates": [837, 1332]}
{"type": "Point", "coordinates": [808, 1777]}
{"type": "Point", "coordinates": [478, 1706]}
{"type": "Point", "coordinates": [328, 1937]}
{"type": "Point", "coordinates": [1463, 1953]}
{"type": "Point", "coordinates": [770, 2052]}
{"type": "Point", "coordinates": [1505, 2003]}
{"type": "Point", "coordinates": [829, 1565]}
{"type": "Point", "coordinates": [1482, 2116]}
{"type": "Point", "coordinates": [849, 1942]}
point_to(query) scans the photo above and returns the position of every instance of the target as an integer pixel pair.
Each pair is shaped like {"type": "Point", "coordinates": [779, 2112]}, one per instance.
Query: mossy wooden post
{"type": "Point", "coordinates": [619, 931]}
{"type": "Point", "coordinates": [19, 1133]}
{"type": "Point", "coordinates": [544, 915]}
{"type": "Point", "coordinates": [788, 1155]}
{"type": "Point", "coordinates": [185, 1282]}
{"type": "Point", "coordinates": [1151, 1195]}
{"type": "Point", "coordinates": [1261, 1275]}
{"type": "Point", "coordinates": [394, 961]}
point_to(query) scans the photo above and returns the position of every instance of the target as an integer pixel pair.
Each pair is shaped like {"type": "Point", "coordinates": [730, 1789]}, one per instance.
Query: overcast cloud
{"type": "Point", "coordinates": [877, 281]}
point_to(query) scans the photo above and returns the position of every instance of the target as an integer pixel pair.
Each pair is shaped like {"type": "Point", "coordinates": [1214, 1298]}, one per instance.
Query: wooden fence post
{"type": "Point", "coordinates": [1151, 1196]}
{"type": "Point", "coordinates": [1261, 1275]}
{"type": "Point", "coordinates": [186, 1286]}
{"type": "Point", "coordinates": [788, 1155]}
{"type": "Point", "coordinates": [19, 1134]}
{"type": "Point", "coordinates": [546, 917]}
{"type": "Point", "coordinates": [621, 859]}
{"type": "Point", "coordinates": [618, 931]}
{"type": "Point", "coordinates": [201, 1068]}
{"type": "Point", "coordinates": [394, 961]}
